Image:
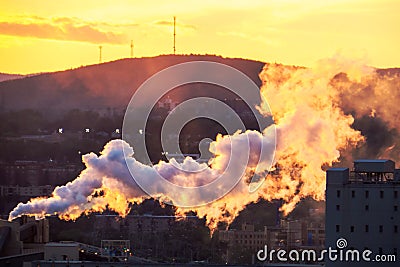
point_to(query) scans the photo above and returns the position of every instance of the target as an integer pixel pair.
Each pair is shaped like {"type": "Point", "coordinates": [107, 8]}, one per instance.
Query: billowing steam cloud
{"type": "Point", "coordinates": [312, 129]}
{"type": "Point", "coordinates": [313, 110]}
{"type": "Point", "coordinates": [107, 182]}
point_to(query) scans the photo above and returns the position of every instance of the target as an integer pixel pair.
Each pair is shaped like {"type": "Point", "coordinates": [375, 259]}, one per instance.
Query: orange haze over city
{"type": "Point", "coordinates": [43, 36]}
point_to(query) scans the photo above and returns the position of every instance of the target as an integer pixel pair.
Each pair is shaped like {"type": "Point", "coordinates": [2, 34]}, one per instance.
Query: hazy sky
{"type": "Point", "coordinates": [38, 36]}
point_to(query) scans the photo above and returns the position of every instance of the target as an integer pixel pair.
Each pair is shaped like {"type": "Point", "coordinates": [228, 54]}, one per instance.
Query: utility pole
{"type": "Point", "coordinates": [131, 48]}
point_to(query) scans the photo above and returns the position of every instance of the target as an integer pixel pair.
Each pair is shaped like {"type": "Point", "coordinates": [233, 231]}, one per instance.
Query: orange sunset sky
{"type": "Point", "coordinates": [40, 36]}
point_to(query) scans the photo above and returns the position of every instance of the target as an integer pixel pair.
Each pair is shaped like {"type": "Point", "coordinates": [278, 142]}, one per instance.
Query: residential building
{"type": "Point", "coordinates": [247, 237]}
{"type": "Point", "coordinates": [25, 191]}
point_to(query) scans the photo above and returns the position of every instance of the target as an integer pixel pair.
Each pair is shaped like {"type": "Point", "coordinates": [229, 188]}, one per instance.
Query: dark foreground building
{"type": "Point", "coordinates": [362, 214]}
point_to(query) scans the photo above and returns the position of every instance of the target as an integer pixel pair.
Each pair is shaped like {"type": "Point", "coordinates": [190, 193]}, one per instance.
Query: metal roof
{"type": "Point", "coordinates": [338, 169]}
{"type": "Point", "coordinates": [62, 244]}
{"type": "Point", "coordinates": [372, 160]}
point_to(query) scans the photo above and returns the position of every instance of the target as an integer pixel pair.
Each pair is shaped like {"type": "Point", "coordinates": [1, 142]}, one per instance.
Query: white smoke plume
{"type": "Point", "coordinates": [108, 176]}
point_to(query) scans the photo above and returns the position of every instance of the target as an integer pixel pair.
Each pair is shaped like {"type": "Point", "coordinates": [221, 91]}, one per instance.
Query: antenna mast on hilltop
{"type": "Point", "coordinates": [100, 47]}
{"type": "Point", "coordinates": [131, 48]}
{"type": "Point", "coordinates": [174, 33]}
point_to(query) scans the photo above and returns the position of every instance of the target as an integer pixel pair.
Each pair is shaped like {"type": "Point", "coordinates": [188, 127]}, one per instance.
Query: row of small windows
{"type": "Point", "coordinates": [250, 236]}
{"type": "Point", "coordinates": [366, 228]}
{"type": "Point", "coordinates": [254, 242]}
{"type": "Point", "coordinates": [395, 208]}
{"type": "Point", "coordinates": [380, 251]}
{"type": "Point", "coordinates": [381, 194]}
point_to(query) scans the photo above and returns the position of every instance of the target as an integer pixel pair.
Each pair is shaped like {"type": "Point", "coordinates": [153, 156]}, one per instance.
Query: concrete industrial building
{"type": "Point", "coordinates": [22, 241]}
{"type": "Point", "coordinates": [362, 207]}
{"type": "Point", "coordinates": [67, 251]}
{"type": "Point", "coordinates": [10, 243]}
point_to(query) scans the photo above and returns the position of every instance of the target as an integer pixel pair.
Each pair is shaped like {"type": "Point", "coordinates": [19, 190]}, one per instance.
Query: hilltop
{"type": "Point", "coordinates": [7, 76]}
{"type": "Point", "coordinates": [102, 86]}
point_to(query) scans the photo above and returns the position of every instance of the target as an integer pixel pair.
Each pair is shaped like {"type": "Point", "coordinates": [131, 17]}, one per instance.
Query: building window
{"type": "Point", "coordinates": [380, 228]}
{"type": "Point", "coordinates": [366, 207]}
{"type": "Point", "coordinates": [337, 228]}
{"type": "Point", "coordinates": [353, 193]}
{"type": "Point", "coordinates": [337, 207]}
{"type": "Point", "coordinates": [395, 229]}
{"type": "Point", "coordinates": [381, 193]}
{"type": "Point", "coordinates": [352, 229]}
{"type": "Point", "coordinates": [366, 194]}
{"type": "Point", "coordinates": [366, 228]}
{"type": "Point", "coordinates": [338, 193]}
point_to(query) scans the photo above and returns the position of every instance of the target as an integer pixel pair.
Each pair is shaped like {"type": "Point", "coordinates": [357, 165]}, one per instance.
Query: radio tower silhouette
{"type": "Point", "coordinates": [131, 49]}
{"type": "Point", "coordinates": [174, 34]}
{"type": "Point", "coordinates": [100, 47]}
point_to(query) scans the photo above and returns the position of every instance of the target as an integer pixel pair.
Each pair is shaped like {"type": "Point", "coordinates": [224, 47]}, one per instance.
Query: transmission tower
{"type": "Point", "coordinates": [100, 47]}
{"type": "Point", "coordinates": [174, 34]}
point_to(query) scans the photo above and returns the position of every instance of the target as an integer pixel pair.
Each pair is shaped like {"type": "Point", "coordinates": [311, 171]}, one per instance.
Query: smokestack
{"type": "Point", "coordinates": [278, 205]}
